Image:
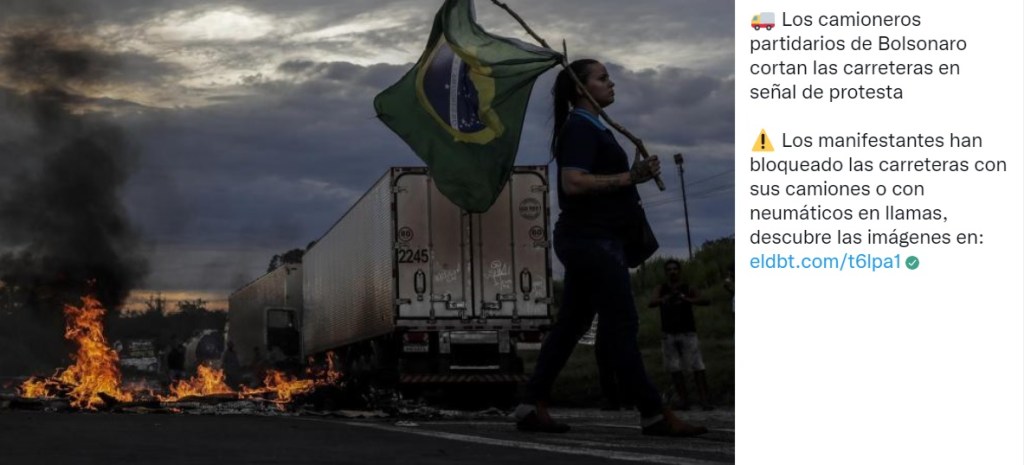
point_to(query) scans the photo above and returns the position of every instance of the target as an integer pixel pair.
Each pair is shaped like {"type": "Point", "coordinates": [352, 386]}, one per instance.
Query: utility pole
{"type": "Point", "coordinates": [686, 210]}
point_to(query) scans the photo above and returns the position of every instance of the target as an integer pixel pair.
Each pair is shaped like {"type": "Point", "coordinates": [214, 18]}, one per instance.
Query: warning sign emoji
{"type": "Point", "coordinates": [763, 143]}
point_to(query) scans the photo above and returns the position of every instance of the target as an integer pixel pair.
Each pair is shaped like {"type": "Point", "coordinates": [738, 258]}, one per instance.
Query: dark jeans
{"type": "Point", "coordinates": [596, 281]}
{"type": "Point", "coordinates": [613, 390]}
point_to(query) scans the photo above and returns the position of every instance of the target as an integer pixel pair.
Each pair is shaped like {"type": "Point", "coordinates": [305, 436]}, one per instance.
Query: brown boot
{"type": "Point", "coordinates": [672, 426]}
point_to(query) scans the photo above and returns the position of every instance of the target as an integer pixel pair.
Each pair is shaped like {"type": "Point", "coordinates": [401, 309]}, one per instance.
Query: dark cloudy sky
{"type": "Point", "coordinates": [254, 129]}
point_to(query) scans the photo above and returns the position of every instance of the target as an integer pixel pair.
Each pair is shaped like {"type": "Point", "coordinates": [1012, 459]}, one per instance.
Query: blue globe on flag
{"type": "Point", "coordinates": [458, 96]}
{"type": "Point", "coordinates": [450, 92]}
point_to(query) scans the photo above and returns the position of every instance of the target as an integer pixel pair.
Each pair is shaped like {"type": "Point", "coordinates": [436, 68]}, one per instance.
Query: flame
{"type": "Point", "coordinates": [333, 375]}
{"type": "Point", "coordinates": [211, 381]}
{"type": "Point", "coordinates": [207, 381]}
{"type": "Point", "coordinates": [95, 370]}
{"type": "Point", "coordinates": [35, 388]}
{"type": "Point", "coordinates": [324, 376]}
{"type": "Point", "coordinates": [284, 386]}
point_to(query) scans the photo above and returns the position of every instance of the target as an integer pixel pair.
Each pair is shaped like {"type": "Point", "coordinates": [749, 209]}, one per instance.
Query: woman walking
{"type": "Point", "coordinates": [599, 200]}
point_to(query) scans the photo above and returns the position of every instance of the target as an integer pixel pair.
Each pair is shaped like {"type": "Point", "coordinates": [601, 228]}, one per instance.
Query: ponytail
{"type": "Point", "coordinates": [564, 94]}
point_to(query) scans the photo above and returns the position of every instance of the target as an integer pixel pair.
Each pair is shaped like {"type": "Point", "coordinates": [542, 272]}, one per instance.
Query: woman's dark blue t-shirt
{"type": "Point", "coordinates": [585, 144]}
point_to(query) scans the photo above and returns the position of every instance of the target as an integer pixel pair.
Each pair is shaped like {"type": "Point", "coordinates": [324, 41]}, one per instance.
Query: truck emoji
{"type": "Point", "coordinates": [765, 20]}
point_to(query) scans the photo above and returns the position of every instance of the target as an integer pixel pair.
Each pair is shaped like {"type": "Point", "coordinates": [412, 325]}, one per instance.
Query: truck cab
{"type": "Point", "coordinates": [283, 338]}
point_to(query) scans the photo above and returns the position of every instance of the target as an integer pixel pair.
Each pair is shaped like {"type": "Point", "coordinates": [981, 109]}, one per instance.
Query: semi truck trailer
{"type": "Point", "coordinates": [264, 317]}
{"type": "Point", "coordinates": [406, 283]}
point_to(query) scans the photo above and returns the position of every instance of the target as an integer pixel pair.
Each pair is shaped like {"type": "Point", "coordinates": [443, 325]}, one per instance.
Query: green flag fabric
{"type": "Point", "coordinates": [461, 107]}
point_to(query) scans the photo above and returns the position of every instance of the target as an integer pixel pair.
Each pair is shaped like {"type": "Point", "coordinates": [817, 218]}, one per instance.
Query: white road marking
{"type": "Point", "coordinates": [601, 453]}
{"type": "Point", "coordinates": [603, 425]}
{"type": "Point", "coordinates": [611, 425]}
{"type": "Point", "coordinates": [634, 427]}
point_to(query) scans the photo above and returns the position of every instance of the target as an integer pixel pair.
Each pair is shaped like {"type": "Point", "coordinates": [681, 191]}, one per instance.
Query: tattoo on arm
{"type": "Point", "coordinates": [606, 182]}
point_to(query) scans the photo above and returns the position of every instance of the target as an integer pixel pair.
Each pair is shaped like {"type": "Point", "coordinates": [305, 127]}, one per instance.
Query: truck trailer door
{"type": "Point", "coordinates": [510, 250]}
{"type": "Point", "coordinates": [429, 243]}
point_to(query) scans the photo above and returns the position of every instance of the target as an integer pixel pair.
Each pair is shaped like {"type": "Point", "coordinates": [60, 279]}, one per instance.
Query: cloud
{"type": "Point", "coordinates": [256, 130]}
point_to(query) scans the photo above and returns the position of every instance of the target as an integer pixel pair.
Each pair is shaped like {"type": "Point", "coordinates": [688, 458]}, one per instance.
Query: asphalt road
{"type": "Point", "coordinates": [460, 437]}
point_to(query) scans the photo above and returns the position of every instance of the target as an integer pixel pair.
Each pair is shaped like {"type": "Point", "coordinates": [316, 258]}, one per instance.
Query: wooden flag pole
{"type": "Point", "coordinates": [565, 64]}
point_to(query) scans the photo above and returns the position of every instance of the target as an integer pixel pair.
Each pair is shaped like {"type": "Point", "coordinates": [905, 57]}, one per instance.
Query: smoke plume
{"type": "Point", "coordinates": [63, 228]}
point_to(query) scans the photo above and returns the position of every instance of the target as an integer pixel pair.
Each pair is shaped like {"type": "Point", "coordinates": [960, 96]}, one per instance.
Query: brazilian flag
{"type": "Point", "coordinates": [461, 107]}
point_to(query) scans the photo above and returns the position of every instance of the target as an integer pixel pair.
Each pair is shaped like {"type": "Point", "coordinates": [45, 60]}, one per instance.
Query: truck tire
{"type": "Point", "coordinates": [372, 362]}
{"type": "Point", "coordinates": [384, 361]}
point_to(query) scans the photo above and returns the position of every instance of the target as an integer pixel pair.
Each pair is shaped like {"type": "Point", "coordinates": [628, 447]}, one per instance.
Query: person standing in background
{"type": "Point", "coordinates": [680, 345]}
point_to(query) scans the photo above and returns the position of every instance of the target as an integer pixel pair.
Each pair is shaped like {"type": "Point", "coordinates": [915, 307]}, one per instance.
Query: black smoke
{"type": "Point", "coordinates": [64, 230]}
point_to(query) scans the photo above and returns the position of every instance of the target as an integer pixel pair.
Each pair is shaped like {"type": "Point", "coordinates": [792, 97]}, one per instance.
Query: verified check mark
{"type": "Point", "coordinates": [913, 262]}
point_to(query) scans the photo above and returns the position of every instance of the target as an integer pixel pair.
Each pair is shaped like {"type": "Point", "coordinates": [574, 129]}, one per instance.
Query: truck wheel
{"type": "Point", "coordinates": [767, 28]}
{"type": "Point", "coordinates": [757, 28]}
{"type": "Point", "coordinates": [355, 360]}
{"type": "Point", "coordinates": [384, 361]}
